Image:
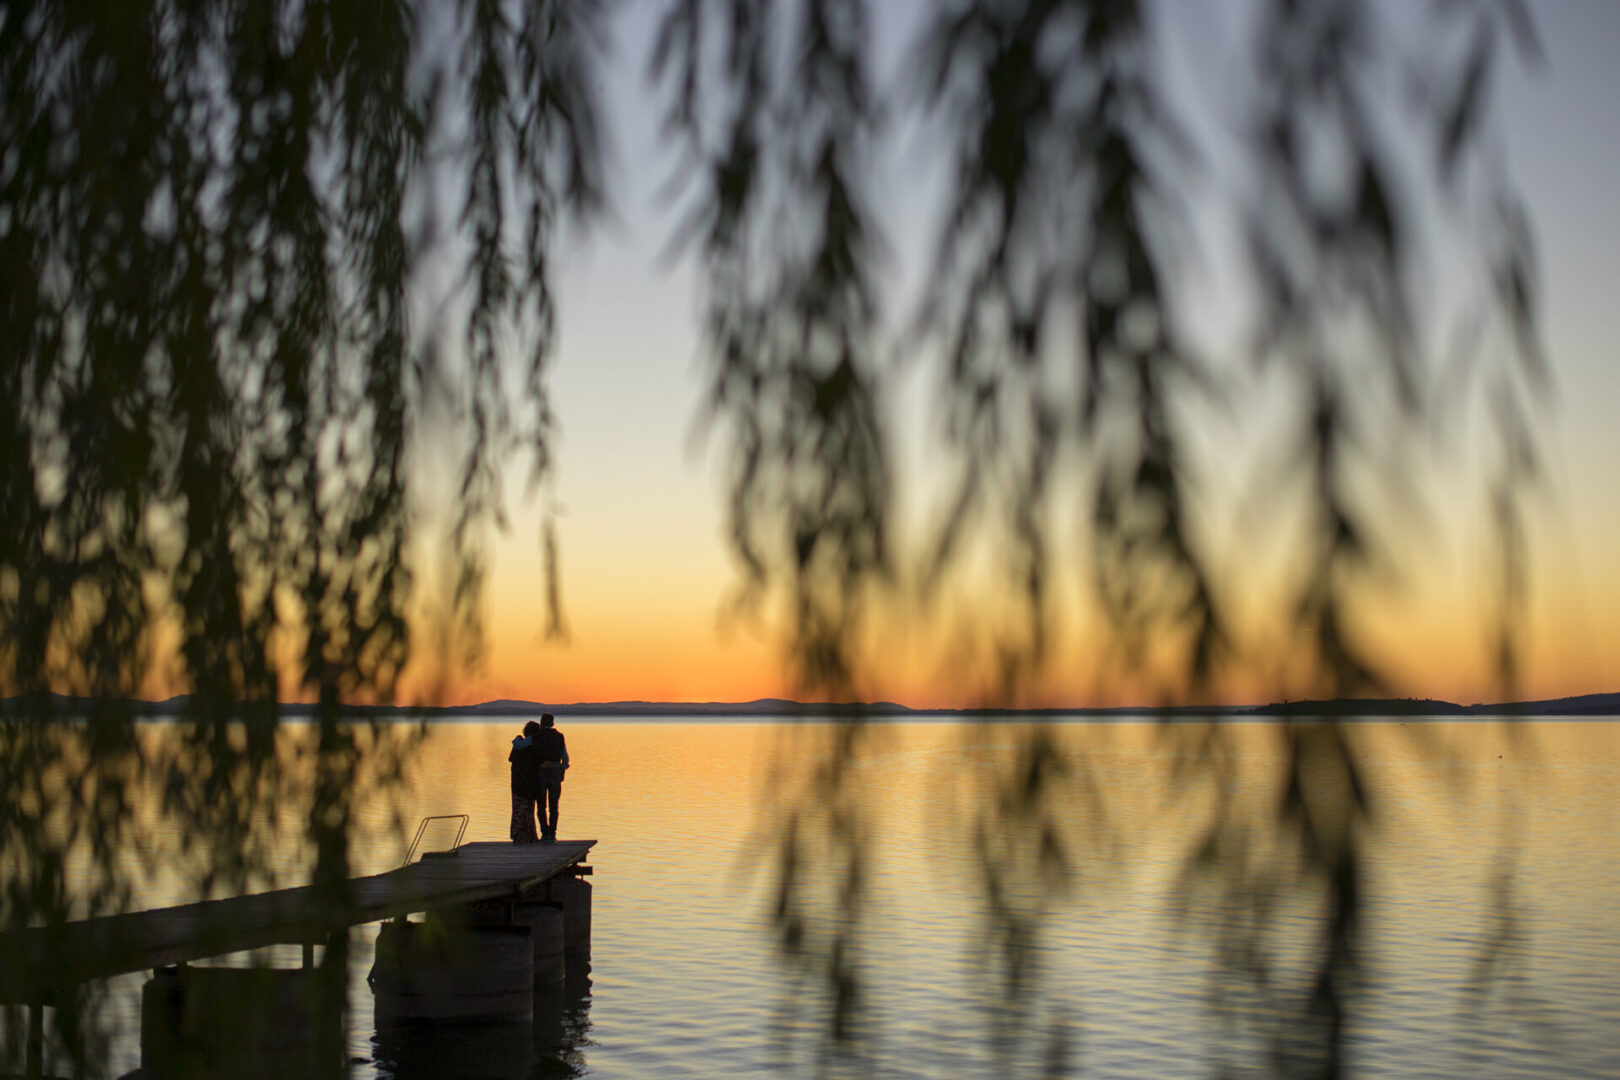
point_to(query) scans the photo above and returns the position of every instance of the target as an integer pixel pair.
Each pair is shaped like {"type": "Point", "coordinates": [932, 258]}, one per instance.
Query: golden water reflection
{"type": "Point", "coordinates": [1123, 973]}
{"type": "Point", "coordinates": [690, 819]}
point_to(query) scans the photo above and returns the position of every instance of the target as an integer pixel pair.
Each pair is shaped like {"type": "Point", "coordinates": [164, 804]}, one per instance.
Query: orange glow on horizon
{"type": "Point", "coordinates": [654, 629]}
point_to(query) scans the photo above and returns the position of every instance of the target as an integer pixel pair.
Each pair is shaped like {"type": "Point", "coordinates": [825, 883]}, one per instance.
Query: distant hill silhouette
{"type": "Point", "coordinates": [1584, 705]}
{"type": "Point", "coordinates": [1592, 705]}
{"type": "Point", "coordinates": [1350, 707]}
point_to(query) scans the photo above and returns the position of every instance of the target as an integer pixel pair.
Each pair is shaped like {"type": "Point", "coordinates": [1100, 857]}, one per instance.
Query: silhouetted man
{"type": "Point", "coordinates": [552, 751]}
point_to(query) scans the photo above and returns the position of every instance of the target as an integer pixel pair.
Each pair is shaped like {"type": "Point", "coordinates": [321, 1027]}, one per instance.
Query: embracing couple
{"type": "Point", "coordinates": [539, 758]}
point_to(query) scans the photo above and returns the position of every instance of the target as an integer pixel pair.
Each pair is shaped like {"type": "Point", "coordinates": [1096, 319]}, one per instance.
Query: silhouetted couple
{"type": "Point", "coordinates": [539, 758]}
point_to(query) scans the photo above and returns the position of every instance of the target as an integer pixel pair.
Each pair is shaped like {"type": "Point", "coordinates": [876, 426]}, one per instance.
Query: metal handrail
{"type": "Point", "coordinates": [420, 829]}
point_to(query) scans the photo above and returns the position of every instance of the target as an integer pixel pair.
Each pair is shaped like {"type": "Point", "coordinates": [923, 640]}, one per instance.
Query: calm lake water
{"type": "Point", "coordinates": [685, 979]}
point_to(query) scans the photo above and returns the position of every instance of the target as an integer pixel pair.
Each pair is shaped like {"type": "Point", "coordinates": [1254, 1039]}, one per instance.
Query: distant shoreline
{"type": "Point", "coordinates": [1584, 706]}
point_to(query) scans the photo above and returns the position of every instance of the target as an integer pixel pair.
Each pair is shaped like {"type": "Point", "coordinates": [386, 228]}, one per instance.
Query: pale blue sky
{"type": "Point", "coordinates": [643, 498]}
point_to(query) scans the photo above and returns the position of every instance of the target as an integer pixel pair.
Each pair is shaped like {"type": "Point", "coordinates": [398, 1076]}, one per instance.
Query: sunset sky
{"type": "Point", "coordinates": [645, 567]}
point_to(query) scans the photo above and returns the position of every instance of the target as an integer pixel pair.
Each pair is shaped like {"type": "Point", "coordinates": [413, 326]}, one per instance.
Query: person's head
{"type": "Point", "coordinates": [547, 721]}
{"type": "Point", "coordinates": [531, 729]}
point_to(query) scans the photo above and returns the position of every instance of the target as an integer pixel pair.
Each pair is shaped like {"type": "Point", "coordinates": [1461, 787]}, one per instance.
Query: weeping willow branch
{"type": "Point", "coordinates": [214, 223]}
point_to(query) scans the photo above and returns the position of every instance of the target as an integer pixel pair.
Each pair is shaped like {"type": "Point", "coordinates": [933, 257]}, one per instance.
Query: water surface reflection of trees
{"type": "Point", "coordinates": [265, 262]}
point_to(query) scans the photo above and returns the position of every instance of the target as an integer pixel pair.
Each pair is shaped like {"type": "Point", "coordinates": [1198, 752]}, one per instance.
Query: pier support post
{"type": "Point", "coordinates": [36, 1041]}
{"type": "Point", "coordinates": [574, 894]}
{"type": "Point", "coordinates": [545, 921]}
{"type": "Point", "coordinates": [438, 970]}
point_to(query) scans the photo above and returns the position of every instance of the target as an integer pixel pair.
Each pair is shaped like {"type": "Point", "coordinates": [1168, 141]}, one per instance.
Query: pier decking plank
{"type": "Point", "coordinates": [38, 962]}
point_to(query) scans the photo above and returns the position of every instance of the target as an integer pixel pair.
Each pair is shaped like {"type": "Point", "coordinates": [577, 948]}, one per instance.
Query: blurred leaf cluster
{"type": "Point", "coordinates": [235, 328]}
{"type": "Point", "coordinates": [1055, 321]}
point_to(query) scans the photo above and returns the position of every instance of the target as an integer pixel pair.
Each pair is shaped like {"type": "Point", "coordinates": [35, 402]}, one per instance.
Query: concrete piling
{"type": "Point", "coordinates": [574, 894]}
{"type": "Point", "coordinates": [440, 970]}
{"type": "Point", "coordinates": [546, 921]}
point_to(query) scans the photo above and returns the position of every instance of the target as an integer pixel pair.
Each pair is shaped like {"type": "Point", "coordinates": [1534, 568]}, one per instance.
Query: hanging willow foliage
{"type": "Point", "coordinates": [218, 223]}
{"type": "Point", "coordinates": [264, 258]}
{"type": "Point", "coordinates": [1071, 390]}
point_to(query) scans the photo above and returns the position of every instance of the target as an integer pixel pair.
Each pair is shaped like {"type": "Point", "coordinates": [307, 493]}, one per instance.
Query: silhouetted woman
{"type": "Point", "coordinates": [525, 759]}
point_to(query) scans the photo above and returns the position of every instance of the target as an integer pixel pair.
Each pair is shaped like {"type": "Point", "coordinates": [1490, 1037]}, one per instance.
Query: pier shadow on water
{"type": "Point", "coordinates": [550, 1046]}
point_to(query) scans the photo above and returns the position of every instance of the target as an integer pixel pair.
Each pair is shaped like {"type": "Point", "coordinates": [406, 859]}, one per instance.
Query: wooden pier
{"type": "Point", "coordinates": [38, 964]}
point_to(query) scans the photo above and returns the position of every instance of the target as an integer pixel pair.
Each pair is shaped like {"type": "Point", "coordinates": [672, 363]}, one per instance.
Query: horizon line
{"type": "Point", "coordinates": [1580, 704]}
